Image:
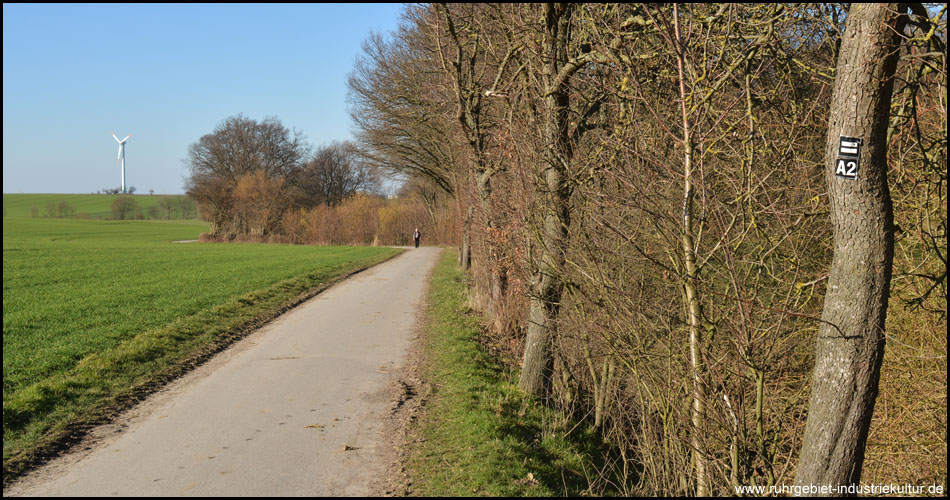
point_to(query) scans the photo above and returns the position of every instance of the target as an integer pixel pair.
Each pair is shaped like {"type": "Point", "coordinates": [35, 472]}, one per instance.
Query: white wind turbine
{"type": "Point", "coordinates": [121, 157]}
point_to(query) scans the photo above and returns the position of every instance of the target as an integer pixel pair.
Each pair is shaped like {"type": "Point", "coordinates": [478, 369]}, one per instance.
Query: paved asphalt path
{"type": "Point", "coordinates": [295, 409]}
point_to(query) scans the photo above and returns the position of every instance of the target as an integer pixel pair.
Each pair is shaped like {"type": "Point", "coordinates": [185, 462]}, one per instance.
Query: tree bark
{"type": "Point", "coordinates": [546, 297]}
{"type": "Point", "coordinates": [850, 343]}
{"type": "Point", "coordinates": [498, 273]}
{"type": "Point", "coordinates": [498, 292]}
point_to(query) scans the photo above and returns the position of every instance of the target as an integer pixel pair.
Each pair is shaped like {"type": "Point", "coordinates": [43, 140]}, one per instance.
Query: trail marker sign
{"type": "Point", "coordinates": [849, 158]}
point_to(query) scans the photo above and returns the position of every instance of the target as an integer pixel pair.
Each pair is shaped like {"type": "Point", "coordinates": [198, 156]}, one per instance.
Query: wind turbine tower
{"type": "Point", "coordinates": [121, 157]}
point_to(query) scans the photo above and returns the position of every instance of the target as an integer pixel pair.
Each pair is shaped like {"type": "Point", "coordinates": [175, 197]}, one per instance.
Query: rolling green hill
{"type": "Point", "coordinates": [95, 206]}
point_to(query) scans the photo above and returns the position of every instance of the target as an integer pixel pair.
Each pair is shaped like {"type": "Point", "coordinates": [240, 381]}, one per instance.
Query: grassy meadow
{"type": "Point", "coordinates": [95, 310]}
{"type": "Point", "coordinates": [93, 206]}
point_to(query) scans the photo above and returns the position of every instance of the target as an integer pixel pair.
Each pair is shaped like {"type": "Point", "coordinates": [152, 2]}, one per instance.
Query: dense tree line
{"type": "Point", "coordinates": [649, 200]}
{"type": "Point", "coordinates": [247, 174]}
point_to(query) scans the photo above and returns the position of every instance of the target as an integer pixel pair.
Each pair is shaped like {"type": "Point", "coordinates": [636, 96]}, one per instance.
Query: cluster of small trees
{"type": "Point", "coordinates": [125, 207]}
{"type": "Point", "coordinates": [168, 207]}
{"type": "Point", "coordinates": [173, 207]}
{"type": "Point", "coordinates": [247, 174]}
{"type": "Point", "coordinates": [117, 190]}
{"type": "Point", "coordinates": [59, 209]}
{"type": "Point", "coordinates": [648, 201]}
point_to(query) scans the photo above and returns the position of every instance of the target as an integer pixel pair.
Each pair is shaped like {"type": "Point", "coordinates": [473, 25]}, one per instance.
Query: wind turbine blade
{"type": "Point", "coordinates": [126, 137]}
{"type": "Point", "coordinates": [116, 138]}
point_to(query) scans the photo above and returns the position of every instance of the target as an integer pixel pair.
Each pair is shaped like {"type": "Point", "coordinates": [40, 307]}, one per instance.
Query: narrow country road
{"type": "Point", "coordinates": [295, 409]}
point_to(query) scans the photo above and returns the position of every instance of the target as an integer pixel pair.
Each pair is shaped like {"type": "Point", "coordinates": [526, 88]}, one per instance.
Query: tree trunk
{"type": "Point", "coordinates": [498, 274]}
{"type": "Point", "coordinates": [498, 292]}
{"type": "Point", "coordinates": [694, 312]}
{"type": "Point", "coordinates": [548, 283]}
{"type": "Point", "coordinates": [465, 256]}
{"type": "Point", "coordinates": [851, 336]}
{"type": "Point", "coordinates": [546, 297]}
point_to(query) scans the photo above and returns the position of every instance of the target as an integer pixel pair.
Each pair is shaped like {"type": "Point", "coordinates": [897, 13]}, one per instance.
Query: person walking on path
{"type": "Point", "coordinates": [416, 236]}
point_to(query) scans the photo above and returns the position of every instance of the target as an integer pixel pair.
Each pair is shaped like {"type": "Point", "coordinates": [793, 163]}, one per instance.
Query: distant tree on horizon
{"type": "Point", "coordinates": [125, 207]}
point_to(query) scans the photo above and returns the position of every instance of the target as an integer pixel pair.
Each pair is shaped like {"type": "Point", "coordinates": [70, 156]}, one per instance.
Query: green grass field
{"type": "Point", "coordinates": [93, 309]}
{"type": "Point", "coordinates": [95, 206]}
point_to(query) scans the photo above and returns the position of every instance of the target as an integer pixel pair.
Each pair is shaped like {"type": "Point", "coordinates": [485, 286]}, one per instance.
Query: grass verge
{"type": "Point", "coordinates": [45, 417]}
{"type": "Point", "coordinates": [480, 435]}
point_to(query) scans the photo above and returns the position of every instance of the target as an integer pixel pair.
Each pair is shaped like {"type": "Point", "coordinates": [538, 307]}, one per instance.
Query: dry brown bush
{"type": "Point", "coordinates": [258, 201]}
{"type": "Point", "coordinates": [293, 226]}
{"type": "Point", "coordinates": [399, 217]}
{"type": "Point", "coordinates": [359, 219]}
{"type": "Point", "coordinates": [325, 225]}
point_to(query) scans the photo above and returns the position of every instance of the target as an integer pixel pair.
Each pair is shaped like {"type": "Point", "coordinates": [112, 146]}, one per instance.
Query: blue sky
{"type": "Point", "coordinates": [167, 74]}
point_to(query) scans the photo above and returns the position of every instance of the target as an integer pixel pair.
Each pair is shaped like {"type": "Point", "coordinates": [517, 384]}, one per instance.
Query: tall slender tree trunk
{"type": "Point", "coordinates": [465, 255]}
{"type": "Point", "coordinates": [548, 284]}
{"type": "Point", "coordinates": [548, 287]}
{"type": "Point", "coordinates": [690, 290]}
{"type": "Point", "coordinates": [497, 293]}
{"type": "Point", "coordinates": [851, 336]}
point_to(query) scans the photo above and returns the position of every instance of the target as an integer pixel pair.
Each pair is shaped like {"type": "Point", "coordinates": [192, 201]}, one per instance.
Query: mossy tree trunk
{"type": "Point", "coordinates": [556, 190]}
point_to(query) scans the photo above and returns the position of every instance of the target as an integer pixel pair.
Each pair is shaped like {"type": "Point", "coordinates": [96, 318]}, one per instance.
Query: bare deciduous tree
{"type": "Point", "coordinates": [238, 146]}
{"type": "Point", "coordinates": [242, 145]}
{"type": "Point", "coordinates": [335, 172]}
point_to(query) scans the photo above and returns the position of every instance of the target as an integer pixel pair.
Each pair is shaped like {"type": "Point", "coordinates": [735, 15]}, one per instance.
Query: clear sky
{"type": "Point", "coordinates": [167, 74]}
